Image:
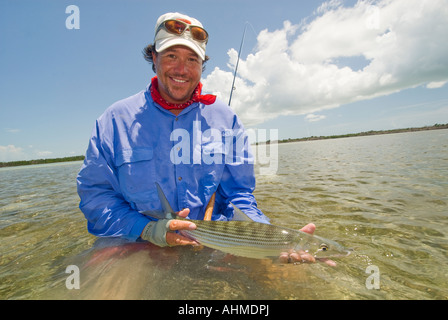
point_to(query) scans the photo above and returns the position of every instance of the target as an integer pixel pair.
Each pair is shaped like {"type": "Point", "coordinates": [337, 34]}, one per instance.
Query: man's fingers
{"type": "Point", "coordinates": [181, 225]}
{"type": "Point", "coordinates": [302, 256]}
{"type": "Point", "coordinates": [284, 257]}
{"type": "Point", "coordinates": [292, 256]}
{"type": "Point", "coordinates": [309, 228]}
{"type": "Point", "coordinates": [329, 262]}
{"type": "Point", "coordinates": [175, 239]}
{"type": "Point", "coordinates": [183, 213]}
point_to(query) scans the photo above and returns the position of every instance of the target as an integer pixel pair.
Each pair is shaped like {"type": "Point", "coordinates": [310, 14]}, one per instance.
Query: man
{"type": "Point", "coordinates": [191, 144]}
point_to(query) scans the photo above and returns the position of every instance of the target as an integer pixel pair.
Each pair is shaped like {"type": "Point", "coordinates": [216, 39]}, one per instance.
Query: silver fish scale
{"type": "Point", "coordinates": [245, 238]}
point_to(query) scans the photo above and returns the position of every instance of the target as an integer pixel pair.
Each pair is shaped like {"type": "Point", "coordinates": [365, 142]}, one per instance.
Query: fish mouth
{"type": "Point", "coordinates": [344, 254]}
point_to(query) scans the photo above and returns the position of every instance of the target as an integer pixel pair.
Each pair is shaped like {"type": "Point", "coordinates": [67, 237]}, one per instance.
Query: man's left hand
{"type": "Point", "coordinates": [302, 256]}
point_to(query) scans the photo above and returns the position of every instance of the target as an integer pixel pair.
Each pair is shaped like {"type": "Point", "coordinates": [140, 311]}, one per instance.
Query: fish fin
{"type": "Point", "coordinates": [239, 215]}
{"type": "Point", "coordinates": [167, 210]}
{"type": "Point", "coordinates": [154, 214]}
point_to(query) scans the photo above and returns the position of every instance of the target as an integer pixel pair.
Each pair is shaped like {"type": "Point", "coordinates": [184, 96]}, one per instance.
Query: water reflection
{"type": "Point", "coordinates": [113, 270]}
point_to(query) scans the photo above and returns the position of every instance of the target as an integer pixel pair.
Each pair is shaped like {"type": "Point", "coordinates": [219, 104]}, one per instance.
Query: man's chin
{"type": "Point", "coordinates": [179, 99]}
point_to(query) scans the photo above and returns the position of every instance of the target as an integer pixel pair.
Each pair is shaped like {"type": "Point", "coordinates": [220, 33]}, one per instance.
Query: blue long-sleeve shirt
{"type": "Point", "coordinates": [136, 143]}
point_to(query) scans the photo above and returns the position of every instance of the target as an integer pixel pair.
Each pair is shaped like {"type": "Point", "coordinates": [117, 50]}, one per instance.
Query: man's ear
{"type": "Point", "coordinates": [154, 58]}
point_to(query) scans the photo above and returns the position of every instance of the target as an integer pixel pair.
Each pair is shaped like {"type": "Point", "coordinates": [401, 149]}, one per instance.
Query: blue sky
{"type": "Point", "coordinates": [307, 67]}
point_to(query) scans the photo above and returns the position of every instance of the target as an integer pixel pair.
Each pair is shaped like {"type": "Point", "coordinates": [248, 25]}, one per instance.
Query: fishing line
{"type": "Point", "coordinates": [238, 60]}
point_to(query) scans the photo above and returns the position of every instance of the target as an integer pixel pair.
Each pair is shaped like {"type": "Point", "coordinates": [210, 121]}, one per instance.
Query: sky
{"type": "Point", "coordinates": [307, 68]}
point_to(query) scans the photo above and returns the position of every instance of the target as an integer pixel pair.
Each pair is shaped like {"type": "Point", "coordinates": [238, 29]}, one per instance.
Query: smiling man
{"type": "Point", "coordinates": [134, 146]}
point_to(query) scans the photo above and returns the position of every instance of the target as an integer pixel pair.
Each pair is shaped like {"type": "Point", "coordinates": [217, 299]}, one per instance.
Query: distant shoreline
{"type": "Point", "coordinates": [39, 161]}
{"type": "Point", "coordinates": [367, 133]}
{"type": "Point", "coordinates": [360, 134]}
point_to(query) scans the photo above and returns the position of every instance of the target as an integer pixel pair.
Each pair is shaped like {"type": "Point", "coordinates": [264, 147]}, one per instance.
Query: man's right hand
{"type": "Point", "coordinates": [161, 232]}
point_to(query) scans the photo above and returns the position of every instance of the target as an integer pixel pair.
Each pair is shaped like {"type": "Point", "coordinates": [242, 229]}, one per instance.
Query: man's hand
{"type": "Point", "coordinates": [302, 256]}
{"type": "Point", "coordinates": [176, 239]}
{"type": "Point", "coordinates": [161, 232]}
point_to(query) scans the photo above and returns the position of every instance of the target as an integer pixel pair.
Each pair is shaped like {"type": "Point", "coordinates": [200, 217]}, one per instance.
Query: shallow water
{"type": "Point", "coordinates": [386, 196]}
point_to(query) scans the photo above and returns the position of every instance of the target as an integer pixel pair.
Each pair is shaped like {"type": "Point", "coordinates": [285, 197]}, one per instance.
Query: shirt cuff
{"type": "Point", "coordinates": [138, 227]}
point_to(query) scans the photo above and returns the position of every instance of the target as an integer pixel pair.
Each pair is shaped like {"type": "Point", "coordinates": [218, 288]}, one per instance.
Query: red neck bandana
{"type": "Point", "coordinates": [197, 97]}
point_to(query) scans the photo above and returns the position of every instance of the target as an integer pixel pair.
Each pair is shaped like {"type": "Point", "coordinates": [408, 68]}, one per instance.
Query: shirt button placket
{"type": "Point", "coordinates": [176, 125]}
{"type": "Point", "coordinates": [179, 174]}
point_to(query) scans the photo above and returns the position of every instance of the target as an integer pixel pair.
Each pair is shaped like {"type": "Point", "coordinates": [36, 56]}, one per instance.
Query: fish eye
{"type": "Point", "coordinates": [323, 247]}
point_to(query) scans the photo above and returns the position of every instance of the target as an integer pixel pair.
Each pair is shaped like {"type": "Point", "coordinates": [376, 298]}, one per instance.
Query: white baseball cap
{"type": "Point", "coordinates": [164, 39]}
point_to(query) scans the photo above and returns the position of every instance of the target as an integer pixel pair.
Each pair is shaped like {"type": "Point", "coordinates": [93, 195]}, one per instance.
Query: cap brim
{"type": "Point", "coordinates": [164, 44]}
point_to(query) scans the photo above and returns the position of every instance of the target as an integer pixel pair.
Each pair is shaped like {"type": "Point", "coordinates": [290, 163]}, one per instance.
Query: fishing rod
{"type": "Point", "coordinates": [237, 62]}
{"type": "Point", "coordinates": [211, 203]}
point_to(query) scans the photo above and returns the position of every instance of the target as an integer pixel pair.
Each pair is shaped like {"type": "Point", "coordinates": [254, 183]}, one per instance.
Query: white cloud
{"type": "Point", "coordinates": [11, 130]}
{"type": "Point", "coordinates": [44, 153]}
{"type": "Point", "coordinates": [314, 117]}
{"type": "Point", "coordinates": [436, 85]}
{"type": "Point", "coordinates": [326, 6]}
{"type": "Point", "coordinates": [297, 70]}
{"type": "Point", "coordinates": [11, 153]}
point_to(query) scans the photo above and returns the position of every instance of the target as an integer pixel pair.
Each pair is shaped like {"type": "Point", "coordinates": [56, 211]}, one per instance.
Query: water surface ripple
{"type": "Point", "coordinates": [384, 195]}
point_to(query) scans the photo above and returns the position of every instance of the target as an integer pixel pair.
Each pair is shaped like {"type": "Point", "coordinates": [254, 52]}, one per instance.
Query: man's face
{"type": "Point", "coordinates": [179, 71]}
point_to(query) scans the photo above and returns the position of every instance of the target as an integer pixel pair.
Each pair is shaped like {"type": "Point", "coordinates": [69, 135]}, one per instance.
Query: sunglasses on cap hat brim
{"type": "Point", "coordinates": [178, 27]}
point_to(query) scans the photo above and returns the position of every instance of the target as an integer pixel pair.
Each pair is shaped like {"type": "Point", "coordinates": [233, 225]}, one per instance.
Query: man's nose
{"type": "Point", "coordinates": [180, 67]}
